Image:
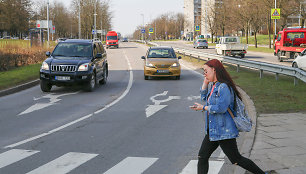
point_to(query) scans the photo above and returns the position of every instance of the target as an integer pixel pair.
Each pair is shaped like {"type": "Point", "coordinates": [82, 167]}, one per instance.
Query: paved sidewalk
{"type": "Point", "coordinates": [280, 143]}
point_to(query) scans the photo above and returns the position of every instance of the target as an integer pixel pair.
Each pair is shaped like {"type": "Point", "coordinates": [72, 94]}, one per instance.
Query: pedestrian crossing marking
{"type": "Point", "coordinates": [68, 162]}
{"type": "Point", "coordinates": [64, 164]}
{"type": "Point", "coordinates": [132, 165]}
{"type": "Point", "coordinates": [192, 166]}
{"type": "Point", "coordinates": [14, 155]}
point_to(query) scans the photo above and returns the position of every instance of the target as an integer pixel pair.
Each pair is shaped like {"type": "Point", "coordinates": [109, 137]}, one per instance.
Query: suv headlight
{"type": "Point", "coordinates": [150, 65]}
{"type": "Point", "coordinates": [83, 67]}
{"type": "Point", "coordinates": [175, 65]}
{"type": "Point", "coordinates": [45, 66]}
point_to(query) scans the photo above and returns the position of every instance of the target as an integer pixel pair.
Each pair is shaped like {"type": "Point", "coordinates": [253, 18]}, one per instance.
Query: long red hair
{"type": "Point", "coordinates": [222, 75]}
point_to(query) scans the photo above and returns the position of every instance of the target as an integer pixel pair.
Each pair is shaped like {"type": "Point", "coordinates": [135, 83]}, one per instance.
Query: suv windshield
{"type": "Point", "coordinates": [161, 53]}
{"type": "Point", "coordinates": [72, 50]}
{"type": "Point", "coordinates": [111, 37]}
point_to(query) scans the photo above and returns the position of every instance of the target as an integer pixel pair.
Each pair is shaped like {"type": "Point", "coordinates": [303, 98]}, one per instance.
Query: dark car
{"type": "Point", "coordinates": [75, 62]}
{"type": "Point", "coordinates": [125, 39]}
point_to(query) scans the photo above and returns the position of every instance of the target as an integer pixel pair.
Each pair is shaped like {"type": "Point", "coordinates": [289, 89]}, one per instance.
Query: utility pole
{"type": "Point", "coordinates": [48, 23]}
{"type": "Point", "coordinates": [79, 19]}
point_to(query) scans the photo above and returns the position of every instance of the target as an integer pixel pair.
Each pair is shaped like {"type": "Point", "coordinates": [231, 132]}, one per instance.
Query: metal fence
{"type": "Point", "coordinates": [261, 66]}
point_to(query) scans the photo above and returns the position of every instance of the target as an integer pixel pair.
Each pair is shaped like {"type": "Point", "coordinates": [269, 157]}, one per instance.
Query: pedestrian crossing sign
{"type": "Point", "coordinates": [275, 13]}
{"type": "Point", "coordinates": [197, 28]}
{"type": "Point", "coordinates": [151, 30]}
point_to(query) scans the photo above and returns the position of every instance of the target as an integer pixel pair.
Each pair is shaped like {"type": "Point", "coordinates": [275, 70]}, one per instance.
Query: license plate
{"type": "Point", "coordinates": [162, 71]}
{"type": "Point", "coordinates": [62, 77]}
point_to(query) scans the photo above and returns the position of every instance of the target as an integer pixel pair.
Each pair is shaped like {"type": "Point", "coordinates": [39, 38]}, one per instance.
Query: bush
{"type": "Point", "coordinates": [12, 56]}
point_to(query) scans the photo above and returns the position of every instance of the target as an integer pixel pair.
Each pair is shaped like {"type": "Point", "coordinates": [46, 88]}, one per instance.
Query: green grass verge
{"type": "Point", "coordinates": [19, 75]}
{"type": "Point", "coordinates": [268, 94]}
{"type": "Point", "coordinates": [260, 49]}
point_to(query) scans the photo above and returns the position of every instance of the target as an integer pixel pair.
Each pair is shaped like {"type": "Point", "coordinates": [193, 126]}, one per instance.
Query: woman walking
{"type": "Point", "coordinates": [218, 91]}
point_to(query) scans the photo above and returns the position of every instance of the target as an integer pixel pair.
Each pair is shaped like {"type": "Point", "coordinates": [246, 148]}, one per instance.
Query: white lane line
{"type": "Point", "coordinates": [14, 155]}
{"type": "Point", "coordinates": [82, 118]}
{"type": "Point", "coordinates": [132, 165]}
{"type": "Point", "coordinates": [64, 164]}
{"type": "Point", "coordinates": [125, 92]}
{"type": "Point", "coordinates": [192, 167]}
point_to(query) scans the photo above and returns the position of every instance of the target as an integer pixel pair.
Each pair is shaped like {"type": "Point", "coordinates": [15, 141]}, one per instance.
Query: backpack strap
{"type": "Point", "coordinates": [230, 112]}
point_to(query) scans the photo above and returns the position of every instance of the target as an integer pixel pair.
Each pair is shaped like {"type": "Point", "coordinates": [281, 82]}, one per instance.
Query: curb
{"type": "Point", "coordinates": [19, 88]}
{"type": "Point", "coordinates": [248, 137]}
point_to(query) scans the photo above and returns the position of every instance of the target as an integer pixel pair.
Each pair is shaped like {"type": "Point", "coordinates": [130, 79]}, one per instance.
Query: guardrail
{"type": "Point", "coordinates": [261, 66]}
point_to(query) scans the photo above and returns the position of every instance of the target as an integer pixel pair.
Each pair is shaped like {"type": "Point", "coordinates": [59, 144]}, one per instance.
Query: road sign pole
{"type": "Point", "coordinates": [275, 20]}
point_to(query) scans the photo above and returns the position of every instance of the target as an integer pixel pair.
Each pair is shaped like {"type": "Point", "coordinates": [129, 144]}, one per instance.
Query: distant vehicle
{"type": "Point", "coordinates": [161, 62]}
{"type": "Point", "coordinates": [290, 43]}
{"type": "Point", "coordinates": [75, 62]}
{"type": "Point", "coordinates": [231, 46]}
{"type": "Point", "coordinates": [7, 37]}
{"type": "Point", "coordinates": [125, 39]}
{"type": "Point", "coordinates": [200, 43]}
{"type": "Point", "coordinates": [200, 37]}
{"type": "Point", "coordinates": [60, 40]}
{"type": "Point", "coordinates": [112, 39]}
{"type": "Point", "coordinates": [300, 61]}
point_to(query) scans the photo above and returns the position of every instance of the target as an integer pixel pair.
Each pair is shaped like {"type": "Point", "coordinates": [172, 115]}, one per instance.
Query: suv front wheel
{"type": "Point", "coordinates": [90, 86]}
{"type": "Point", "coordinates": [104, 80]}
{"type": "Point", "coordinates": [45, 86]}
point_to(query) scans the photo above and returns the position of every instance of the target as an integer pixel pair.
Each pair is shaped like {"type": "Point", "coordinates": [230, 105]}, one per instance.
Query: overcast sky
{"type": "Point", "coordinates": [127, 13]}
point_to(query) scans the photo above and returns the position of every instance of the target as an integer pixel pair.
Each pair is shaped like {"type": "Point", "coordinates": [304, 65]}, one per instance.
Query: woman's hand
{"type": "Point", "coordinates": [197, 107]}
{"type": "Point", "coordinates": [205, 83]}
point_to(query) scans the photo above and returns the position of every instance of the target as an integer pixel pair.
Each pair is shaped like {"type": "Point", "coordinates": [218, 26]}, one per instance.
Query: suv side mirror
{"type": "Point", "coordinates": [179, 57]}
{"type": "Point", "coordinates": [98, 56]}
{"type": "Point", "coordinates": [143, 57]}
{"type": "Point", "coordinates": [48, 53]}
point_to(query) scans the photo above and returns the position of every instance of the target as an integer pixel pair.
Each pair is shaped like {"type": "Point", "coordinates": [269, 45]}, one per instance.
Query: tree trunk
{"type": "Point", "coordinates": [247, 34]}
{"type": "Point", "coordinates": [269, 29]}
{"type": "Point", "coordinates": [255, 37]}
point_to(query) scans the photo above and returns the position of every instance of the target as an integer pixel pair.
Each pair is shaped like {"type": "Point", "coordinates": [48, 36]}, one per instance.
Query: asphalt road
{"type": "Point", "coordinates": [251, 55]}
{"type": "Point", "coordinates": [128, 126]}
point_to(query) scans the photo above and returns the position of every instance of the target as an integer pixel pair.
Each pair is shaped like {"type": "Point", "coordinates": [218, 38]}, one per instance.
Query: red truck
{"type": "Point", "coordinates": [290, 43]}
{"type": "Point", "coordinates": [112, 39]}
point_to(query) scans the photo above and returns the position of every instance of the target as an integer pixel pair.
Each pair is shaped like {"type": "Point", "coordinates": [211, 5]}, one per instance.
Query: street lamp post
{"type": "Point", "coordinates": [95, 19]}
{"type": "Point", "coordinates": [48, 23]}
{"type": "Point", "coordinates": [79, 19]}
{"type": "Point", "coordinates": [142, 25]}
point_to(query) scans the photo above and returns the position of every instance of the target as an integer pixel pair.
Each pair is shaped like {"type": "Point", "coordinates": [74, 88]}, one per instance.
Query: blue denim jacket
{"type": "Point", "coordinates": [221, 124]}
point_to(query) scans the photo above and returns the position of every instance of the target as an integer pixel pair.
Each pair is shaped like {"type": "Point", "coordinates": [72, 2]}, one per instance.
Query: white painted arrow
{"type": "Point", "coordinates": [38, 106]}
{"type": "Point", "coordinates": [152, 109]}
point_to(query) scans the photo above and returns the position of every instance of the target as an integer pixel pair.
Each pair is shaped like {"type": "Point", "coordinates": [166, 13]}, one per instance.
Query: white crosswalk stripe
{"type": "Point", "coordinates": [132, 165]}
{"type": "Point", "coordinates": [191, 167]}
{"type": "Point", "coordinates": [64, 164]}
{"type": "Point", "coordinates": [14, 155]}
{"type": "Point", "coordinates": [69, 161]}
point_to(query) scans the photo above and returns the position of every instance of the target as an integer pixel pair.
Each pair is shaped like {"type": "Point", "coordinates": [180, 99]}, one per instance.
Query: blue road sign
{"type": "Point", "coordinates": [151, 30]}
{"type": "Point", "coordinates": [143, 30]}
{"type": "Point", "coordinates": [94, 31]}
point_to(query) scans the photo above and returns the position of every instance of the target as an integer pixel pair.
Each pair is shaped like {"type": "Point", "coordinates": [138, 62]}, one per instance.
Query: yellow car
{"type": "Point", "coordinates": [161, 62]}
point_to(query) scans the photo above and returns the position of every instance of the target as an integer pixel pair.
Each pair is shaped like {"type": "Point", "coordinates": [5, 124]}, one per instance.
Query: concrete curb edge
{"type": "Point", "coordinates": [19, 88]}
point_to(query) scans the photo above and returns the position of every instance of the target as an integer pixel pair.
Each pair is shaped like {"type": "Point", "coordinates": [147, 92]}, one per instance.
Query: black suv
{"type": "Point", "coordinates": [75, 61]}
